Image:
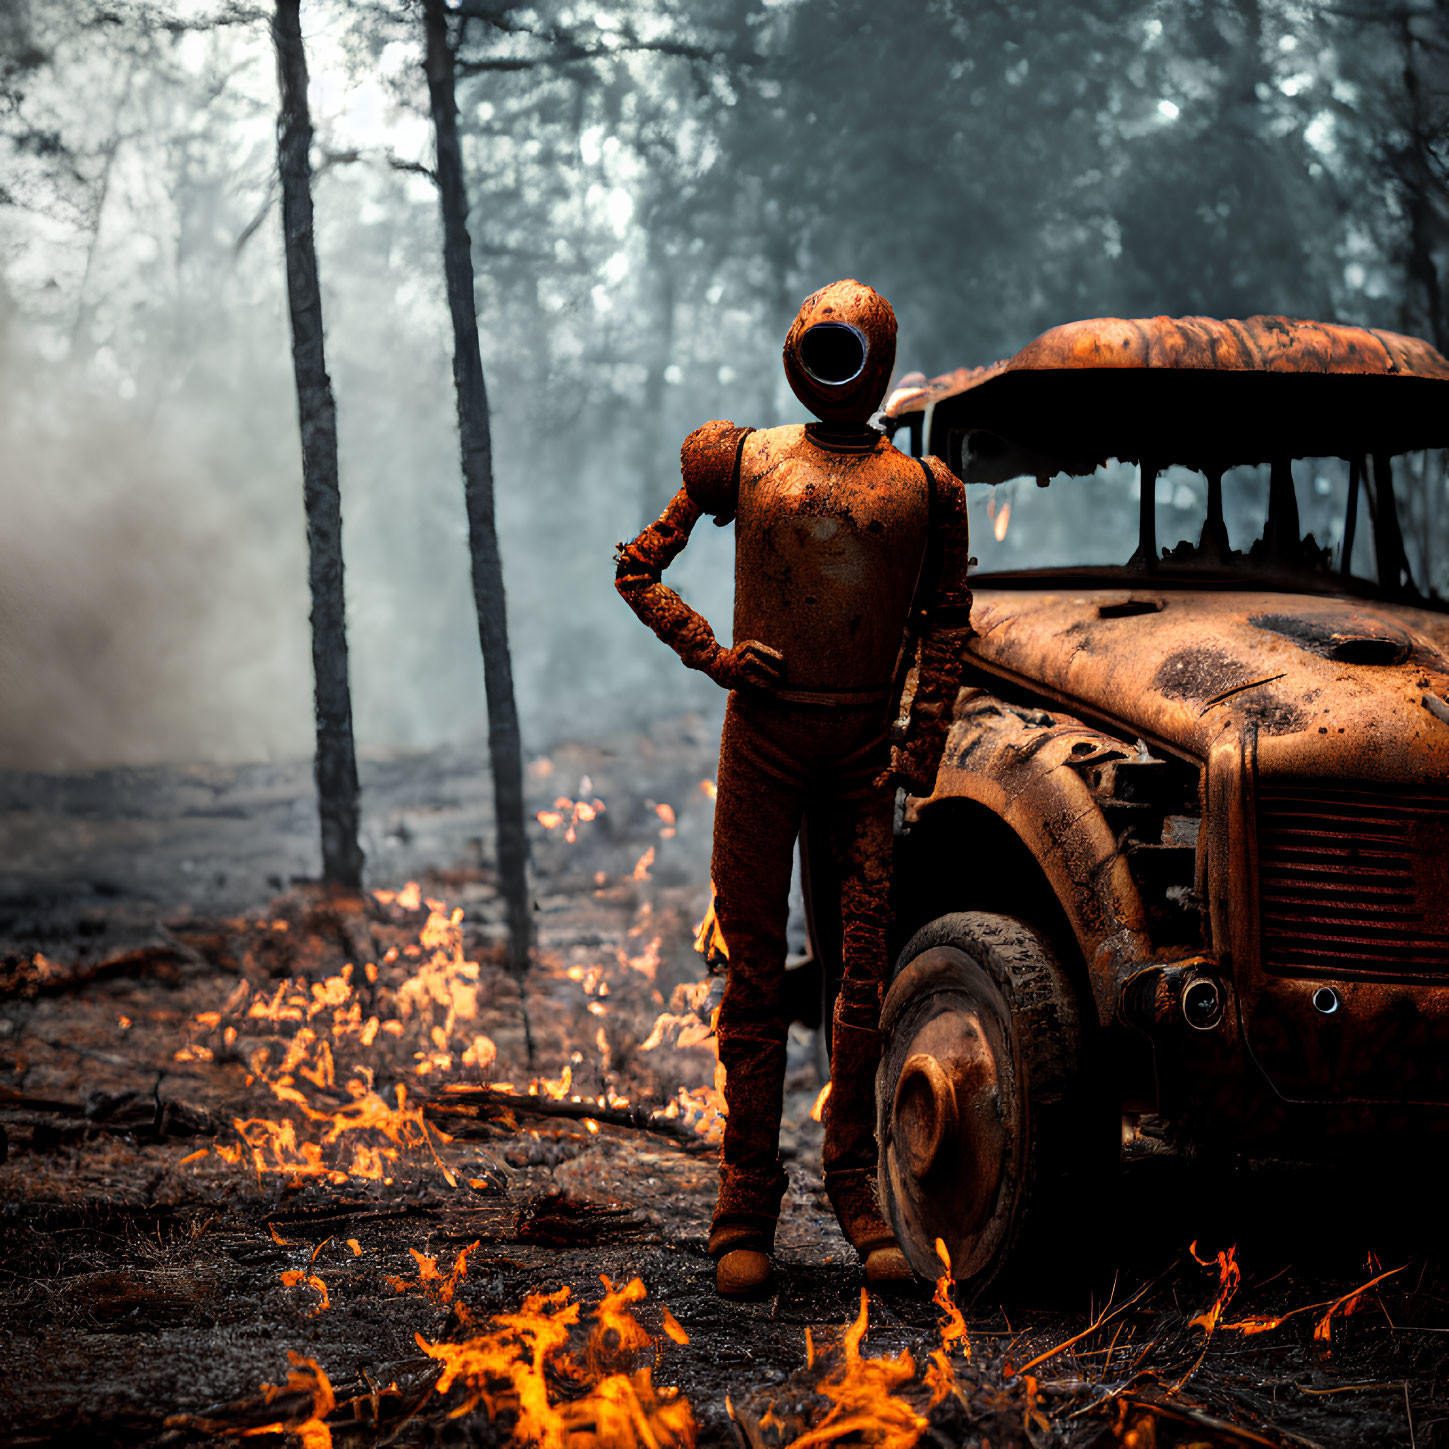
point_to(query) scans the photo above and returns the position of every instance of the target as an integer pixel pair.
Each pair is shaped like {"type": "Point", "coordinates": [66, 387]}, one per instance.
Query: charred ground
{"type": "Point", "coordinates": [152, 1287]}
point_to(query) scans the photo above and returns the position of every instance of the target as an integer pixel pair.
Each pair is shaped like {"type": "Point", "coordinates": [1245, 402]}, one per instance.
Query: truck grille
{"type": "Point", "coordinates": [1353, 880]}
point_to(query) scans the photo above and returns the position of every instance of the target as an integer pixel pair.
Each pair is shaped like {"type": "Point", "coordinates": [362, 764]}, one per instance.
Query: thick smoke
{"type": "Point", "coordinates": [145, 601]}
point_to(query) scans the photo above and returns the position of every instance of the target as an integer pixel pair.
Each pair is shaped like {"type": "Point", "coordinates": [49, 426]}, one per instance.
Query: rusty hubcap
{"type": "Point", "coordinates": [955, 1128]}
{"type": "Point", "coordinates": [925, 1111]}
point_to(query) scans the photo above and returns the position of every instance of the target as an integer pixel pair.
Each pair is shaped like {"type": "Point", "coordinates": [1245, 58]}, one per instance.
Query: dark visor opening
{"type": "Point", "coordinates": [832, 352]}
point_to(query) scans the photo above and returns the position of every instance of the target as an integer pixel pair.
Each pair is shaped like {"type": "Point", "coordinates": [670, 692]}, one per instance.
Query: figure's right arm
{"type": "Point", "coordinates": [710, 462]}
{"type": "Point", "coordinates": [638, 579]}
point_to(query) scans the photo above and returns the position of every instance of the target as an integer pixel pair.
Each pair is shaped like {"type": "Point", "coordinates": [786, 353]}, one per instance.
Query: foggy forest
{"type": "Point", "coordinates": [652, 189]}
{"type": "Point", "coordinates": [341, 345]}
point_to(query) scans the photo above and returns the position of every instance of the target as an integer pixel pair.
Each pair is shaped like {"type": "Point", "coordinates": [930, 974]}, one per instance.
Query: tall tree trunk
{"type": "Point", "coordinates": [336, 764]}
{"type": "Point", "coordinates": [505, 747]}
{"type": "Point", "coordinates": [1416, 180]}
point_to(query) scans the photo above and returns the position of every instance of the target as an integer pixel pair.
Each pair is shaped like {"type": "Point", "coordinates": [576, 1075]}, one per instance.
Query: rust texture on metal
{"type": "Point", "coordinates": [1315, 857]}
{"type": "Point", "coordinates": [950, 1130]}
{"type": "Point", "coordinates": [1181, 673]}
{"type": "Point", "coordinates": [1029, 768]}
{"type": "Point", "coordinates": [984, 1054]}
{"type": "Point", "coordinates": [1206, 392]}
{"type": "Point", "coordinates": [828, 547]}
{"type": "Point", "coordinates": [839, 353]}
{"type": "Point", "coordinates": [640, 564]}
{"type": "Point", "coordinates": [836, 534]}
{"type": "Point", "coordinates": [1216, 782]}
{"type": "Point", "coordinates": [1211, 344]}
{"type": "Point", "coordinates": [1252, 344]}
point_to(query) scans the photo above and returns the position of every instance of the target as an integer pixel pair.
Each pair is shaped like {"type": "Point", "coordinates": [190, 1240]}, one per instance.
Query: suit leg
{"type": "Point", "coordinates": [757, 815]}
{"type": "Point", "coordinates": [862, 842]}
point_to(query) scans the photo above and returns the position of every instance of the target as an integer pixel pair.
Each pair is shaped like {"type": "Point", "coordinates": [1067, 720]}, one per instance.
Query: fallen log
{"type": "Point", "coordinates": [461, 1104]}
{"type": "Point", "coordinates": [557, 1219]}
{"type": "Point", "coordinates": [27, 977]}
{"type": "Point", "coordinates": [122, 1114]}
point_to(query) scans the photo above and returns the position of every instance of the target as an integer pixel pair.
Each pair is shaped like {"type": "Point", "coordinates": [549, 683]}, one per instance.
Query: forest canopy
{"type": "Point", "coordinates": [654, 187]}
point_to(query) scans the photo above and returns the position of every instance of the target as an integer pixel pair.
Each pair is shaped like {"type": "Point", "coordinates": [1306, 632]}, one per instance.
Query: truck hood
{"type": "Point", "coordinates": [1180, 667]}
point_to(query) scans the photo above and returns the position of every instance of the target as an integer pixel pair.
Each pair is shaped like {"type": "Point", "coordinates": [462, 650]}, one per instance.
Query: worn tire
{"type": "Point", "coordinates": [993, 1135]}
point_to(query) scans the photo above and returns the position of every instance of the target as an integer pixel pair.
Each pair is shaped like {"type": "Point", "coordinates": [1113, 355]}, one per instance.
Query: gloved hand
{"type": "Point", "coordinates": [748, 663]}
{"type": "Point", "coordinates": [913, 765]}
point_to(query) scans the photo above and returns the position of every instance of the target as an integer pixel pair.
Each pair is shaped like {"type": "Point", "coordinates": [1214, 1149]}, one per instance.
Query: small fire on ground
{"type": "Point", "coordinates": [351, 1064]}
{"type": "Point", "coordinates": [552, 1374]}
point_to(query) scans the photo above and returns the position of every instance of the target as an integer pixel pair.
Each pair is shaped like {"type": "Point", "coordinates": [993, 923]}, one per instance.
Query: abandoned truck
{"type": "Point", "coordinates": [1184, 875]}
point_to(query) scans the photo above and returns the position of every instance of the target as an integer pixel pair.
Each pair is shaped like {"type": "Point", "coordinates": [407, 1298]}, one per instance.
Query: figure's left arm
{"type": "Point", "coordinates": [944, 636]}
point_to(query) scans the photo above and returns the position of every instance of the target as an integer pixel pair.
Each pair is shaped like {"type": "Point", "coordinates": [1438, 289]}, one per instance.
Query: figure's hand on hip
{"type": "Point", "coordinates": [750, 663]}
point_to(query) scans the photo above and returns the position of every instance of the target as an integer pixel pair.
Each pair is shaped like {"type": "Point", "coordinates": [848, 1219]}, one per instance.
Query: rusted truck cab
{"type": "Point", "coordinates": [1185, 868]}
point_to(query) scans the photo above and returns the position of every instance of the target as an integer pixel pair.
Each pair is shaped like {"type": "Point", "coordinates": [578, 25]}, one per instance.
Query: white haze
{"type": "Point", "coordinates": [153, 600]}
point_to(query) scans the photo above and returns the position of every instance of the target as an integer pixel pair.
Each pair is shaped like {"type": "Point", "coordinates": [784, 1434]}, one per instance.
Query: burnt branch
{"type": "Point", "coordinates": [415, 167]}
{"type": "Point", "coordinates": [485, 1105]}
{"type": "Point", "coordinates": [567, 49]}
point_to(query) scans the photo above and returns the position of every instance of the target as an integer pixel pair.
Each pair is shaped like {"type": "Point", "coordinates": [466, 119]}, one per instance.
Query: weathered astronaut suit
{"type": "Point", "coordinates": [832, 527]}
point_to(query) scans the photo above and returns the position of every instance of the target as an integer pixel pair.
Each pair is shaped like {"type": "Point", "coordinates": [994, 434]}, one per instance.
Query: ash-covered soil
{"type": "Point", "coordinates": [161, 1259]}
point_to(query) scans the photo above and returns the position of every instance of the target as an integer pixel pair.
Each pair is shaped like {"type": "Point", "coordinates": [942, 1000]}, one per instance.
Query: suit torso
{"type": "Point", "coordinates": [827, 550]}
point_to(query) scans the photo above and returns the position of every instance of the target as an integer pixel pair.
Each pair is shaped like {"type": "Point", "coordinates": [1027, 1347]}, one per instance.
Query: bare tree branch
{"type": "Point", "coordinates": [416, 167]}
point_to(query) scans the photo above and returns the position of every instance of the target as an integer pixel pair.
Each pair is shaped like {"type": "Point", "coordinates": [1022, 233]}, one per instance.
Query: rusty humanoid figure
{"type": "Point", "coordinates": [836, 534]}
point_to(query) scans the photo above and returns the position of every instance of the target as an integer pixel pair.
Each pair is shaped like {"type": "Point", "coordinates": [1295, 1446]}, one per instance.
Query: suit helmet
{"type": "Point", "coordinates": [840, 351]}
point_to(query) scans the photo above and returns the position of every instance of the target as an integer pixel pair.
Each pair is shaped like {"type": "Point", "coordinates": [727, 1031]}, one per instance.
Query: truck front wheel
{"type": "Point", "coordinates": [988, 1122]}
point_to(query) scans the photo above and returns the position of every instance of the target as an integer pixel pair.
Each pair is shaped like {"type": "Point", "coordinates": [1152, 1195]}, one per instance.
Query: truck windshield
{"type": "Point", "coordinates": [1093, 521]}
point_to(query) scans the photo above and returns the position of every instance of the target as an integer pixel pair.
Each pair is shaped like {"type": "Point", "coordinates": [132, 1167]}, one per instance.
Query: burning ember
{"type": "Point", "coordinates": [862, 1392]}
{"type": "Point", "coordinates": [1003, 522]}
{"type": "Point", "coordinates": [354, 1033]}
{"type": "Point", "coordinates": [1229, 1277]}
{"type": "Point", "coordinates": [877, 1401]}
{"type": "Point", "coordinates": [307, 1381]}
{"type": "Point", "coordinates": [1344, 1305]}
{"type": "Point", "coordinates": [431, 1282]}
{"type": "Point", "coordinates": [570, 814]}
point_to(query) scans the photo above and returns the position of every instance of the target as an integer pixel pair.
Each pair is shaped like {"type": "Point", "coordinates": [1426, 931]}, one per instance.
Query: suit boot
{"type": "Point", "coordinates": [849, 1152]}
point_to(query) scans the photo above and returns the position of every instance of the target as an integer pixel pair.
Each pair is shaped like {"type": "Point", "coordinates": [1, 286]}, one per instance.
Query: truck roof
{"type": "Point", "coordinates": [1205, 392]}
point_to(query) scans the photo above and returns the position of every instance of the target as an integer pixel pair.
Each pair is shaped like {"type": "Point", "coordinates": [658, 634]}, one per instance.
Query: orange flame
{"type": "Point", "coordinates": [863, 1396]}
{"type": "Point", "coordinates": [1002, 523]}
{"type": "Point", "coordinates": [709, 939]}
{"type": "Point", "coordinates": [817, 1111]}
{"type": "Point", "coordinates": [571, 814]}
{"type": "Point", "coordinates": [690, 1022]}
{"type": "Point", "coordinates": [609, 1401]}
{"type": "Point", "coordinates": [293, 1276]}
{"type": "Point", "coordinates": [940, 1375]}
{"type": "Point", "coordinates": [1230, 1275]}
{"type": "Point", "coordinates": [431, 1281]}
{"type": "Point", "coordinates": [306, 1377]}
{"type": "Point", "coordinates": [953, 1326]}
{"type": "Point", "coordinates": [646, 962]}
{"type": "Point", "coordinates": [1347, 1304]}
{"type": "Point", "coordinates": [432, 1008]}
